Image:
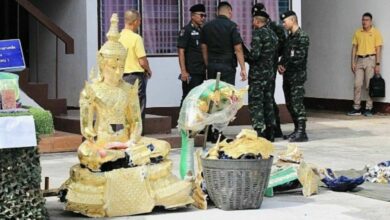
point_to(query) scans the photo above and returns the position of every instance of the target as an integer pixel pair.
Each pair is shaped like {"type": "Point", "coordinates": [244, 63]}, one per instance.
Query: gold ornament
{"type": "Point", "coordinates": [246, 142]}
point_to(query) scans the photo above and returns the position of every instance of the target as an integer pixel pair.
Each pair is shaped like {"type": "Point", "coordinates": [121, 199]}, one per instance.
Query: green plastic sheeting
{"type": "Point", "coordinates": [186, 155]}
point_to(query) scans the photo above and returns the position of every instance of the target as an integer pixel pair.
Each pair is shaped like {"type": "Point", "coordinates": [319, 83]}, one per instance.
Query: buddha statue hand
{"type": "Point", "coordinates": [92, 154]}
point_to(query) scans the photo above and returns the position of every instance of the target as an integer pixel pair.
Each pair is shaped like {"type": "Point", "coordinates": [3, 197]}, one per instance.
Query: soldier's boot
{"type": "Point", "coordinates": [292, 134]}
{"type": "Point", "coordinates": [260, 133]}
{"type": "Point", "coordinates": [269, 133]}
{"type": "Point", "coordinates": [300, 135]}
{"type": "Point", "coordinates": [278, 130]}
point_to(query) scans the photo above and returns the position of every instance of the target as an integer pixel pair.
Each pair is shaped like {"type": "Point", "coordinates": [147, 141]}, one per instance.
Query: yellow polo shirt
{"type": "Point", "coordinates": [366, 41]}
{"type": "Point", "coordinates": [135, 49]}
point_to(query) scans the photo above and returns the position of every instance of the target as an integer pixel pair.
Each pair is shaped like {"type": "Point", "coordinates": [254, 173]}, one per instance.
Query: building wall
{"type": "Point", "coordinates": [297, 8]}
{"type": "Point", "coordinates": [79, 19]}
{"type": "Point", "coordinates": [330, 25]}
{"type": "Point", "coordinates": [164, 88]}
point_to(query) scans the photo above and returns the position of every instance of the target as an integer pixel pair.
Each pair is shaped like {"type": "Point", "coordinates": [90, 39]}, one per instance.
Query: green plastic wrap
{"type": "Point", "coordinates": [10, 81]}
{"type": "Point", "coordinates": [206, 105]}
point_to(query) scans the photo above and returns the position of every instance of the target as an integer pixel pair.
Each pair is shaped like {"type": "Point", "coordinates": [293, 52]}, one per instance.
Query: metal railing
{"type": "Point", "coordinates": [54, 29]}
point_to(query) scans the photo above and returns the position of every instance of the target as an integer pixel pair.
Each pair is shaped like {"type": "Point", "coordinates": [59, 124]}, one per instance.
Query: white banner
{"type": "Point", "coordinates": [17, 132]}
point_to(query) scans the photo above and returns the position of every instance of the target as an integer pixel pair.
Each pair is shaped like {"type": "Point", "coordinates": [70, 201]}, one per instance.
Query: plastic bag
{"type": "Point", "coordinates": [9, 81]}
{"type": "Point", "coordinates": [379, 173]}
{"type": "Point", "coordinates": [342, 183]}
{"type": "Point", "coordinates": [196, 113]}
{"type": "Point", "coordinates": [205, 105]}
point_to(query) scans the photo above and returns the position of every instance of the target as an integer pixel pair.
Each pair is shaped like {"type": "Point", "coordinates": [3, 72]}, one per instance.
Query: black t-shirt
{"type": "Point", "coordinates": [189, 40]}
{"type": "Point", "coordinates": [221, 35]}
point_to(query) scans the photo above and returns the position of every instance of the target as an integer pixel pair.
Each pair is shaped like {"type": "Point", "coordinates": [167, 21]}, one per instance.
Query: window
{"type": "Point", "coordinates": [284, 5]}
{"type": "Point", "coordinates": [107, 7]}
{"type": "Point", "coordinates": [162, 19]}
{"type": "Point", "coordinates": [243, 17]}
{"type": "Point", "coordinates": [210, 5]}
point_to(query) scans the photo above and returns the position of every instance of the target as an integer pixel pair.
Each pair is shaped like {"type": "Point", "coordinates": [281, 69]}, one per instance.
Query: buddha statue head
{"type": "Point", "coordinates": [112, 55]}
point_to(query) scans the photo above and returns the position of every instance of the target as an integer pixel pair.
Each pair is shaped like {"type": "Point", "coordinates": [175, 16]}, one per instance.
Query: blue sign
{"type": "Point", "coordinates": [11, 55]}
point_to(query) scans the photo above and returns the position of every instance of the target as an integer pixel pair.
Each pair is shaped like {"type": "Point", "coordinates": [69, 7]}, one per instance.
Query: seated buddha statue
{"type": "Point", "coordinates": [120, 172]}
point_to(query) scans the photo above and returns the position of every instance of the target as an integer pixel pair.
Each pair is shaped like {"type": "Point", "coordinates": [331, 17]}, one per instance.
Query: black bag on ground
{"type": "Point", "coordinates": [377, 86]}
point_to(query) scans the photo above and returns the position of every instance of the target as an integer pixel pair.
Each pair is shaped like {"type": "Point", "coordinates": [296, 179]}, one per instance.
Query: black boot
{"type": "Point", "coordinates": [213, 134]}
{"type": "Point", "coordinates": [278, 130]}
{"type": "Point", "coordinates": [300, 135]}
{"type": "Point", "coordinates": [269, 133]}
{"type": "Point", "coordinates": [286, 137]}
{"type": "Point", "coordinates": [260, 134]}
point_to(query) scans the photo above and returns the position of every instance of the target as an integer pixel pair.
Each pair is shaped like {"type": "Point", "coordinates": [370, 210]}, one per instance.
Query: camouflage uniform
{"type": "Point", "coordinates": [261, 74]}
{"type": "Point", "coordinates": [281, 34]}
{"type": "Point", "coordinates": [294, 59]}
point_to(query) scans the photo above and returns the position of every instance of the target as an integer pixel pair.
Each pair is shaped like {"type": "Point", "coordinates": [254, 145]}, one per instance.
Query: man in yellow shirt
{"type": "Point", "coordinates": [366, 56]}
{"type": "Point", "coordinates": [136, 65]}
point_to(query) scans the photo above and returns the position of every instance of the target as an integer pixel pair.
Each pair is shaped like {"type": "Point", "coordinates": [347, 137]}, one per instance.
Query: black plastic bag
{"type": "Point", "coordinates": [377, 86]}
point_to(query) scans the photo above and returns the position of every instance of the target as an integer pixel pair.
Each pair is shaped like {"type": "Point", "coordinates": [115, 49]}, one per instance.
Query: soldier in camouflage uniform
{"type": "Point", "coordinates": [261, 74]}
{"type": "Point", "coordinates": [293, 68]}
{"type": "Point", "coordinates": [281, 34]}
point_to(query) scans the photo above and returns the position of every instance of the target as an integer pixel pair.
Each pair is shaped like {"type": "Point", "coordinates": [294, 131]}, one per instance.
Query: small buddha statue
{"type": "Point", "coordinates": [120, 172]}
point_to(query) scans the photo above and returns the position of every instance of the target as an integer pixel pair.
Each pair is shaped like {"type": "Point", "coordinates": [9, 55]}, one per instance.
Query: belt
{"type": "Point", "coordinates": [364, 56]}
{"type": "Point", "coordinates": [220, 61]}
{"type": "Point", "coordinates": [134, 73]}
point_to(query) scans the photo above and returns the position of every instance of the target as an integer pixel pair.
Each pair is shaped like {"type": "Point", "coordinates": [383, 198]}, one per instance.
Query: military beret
{"type": "Point", "coordinates": [260, 13]}
{"type": "Point", "coordinates": [287, 14]}
{"type": "Point", "coordinates": [258, 7]}
{"type": "Point", "coordinates": [198, 8]}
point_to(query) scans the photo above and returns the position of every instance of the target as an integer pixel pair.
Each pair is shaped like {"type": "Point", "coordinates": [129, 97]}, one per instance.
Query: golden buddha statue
{"type": "Point", "coordinates": [120, 172]}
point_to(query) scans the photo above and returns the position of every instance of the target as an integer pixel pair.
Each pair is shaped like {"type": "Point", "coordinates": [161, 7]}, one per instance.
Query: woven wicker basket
{"type": "Point", "coordinates": [236, 184]}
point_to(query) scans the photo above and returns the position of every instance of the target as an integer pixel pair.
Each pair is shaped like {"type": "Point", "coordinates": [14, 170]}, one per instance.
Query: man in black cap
{"type": "Point", "coordinates": [281, 34]}
{"type": "Point", "coordinates": [221, 48]}
{"type": "Point", "coordinates": [261, 76]}
{"type": "Point", "coordinates": [292, 66]}
{"type": "Point", "coordinates": [190, 55]}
